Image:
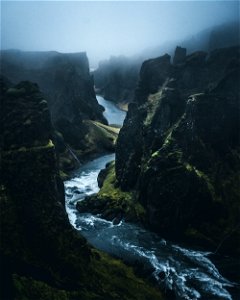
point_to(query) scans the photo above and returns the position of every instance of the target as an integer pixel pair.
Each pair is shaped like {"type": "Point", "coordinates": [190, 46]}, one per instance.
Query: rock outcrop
{"type": "Point", "coordinates": [68, 87]}
{"type": "Point", "coordinates": [177, 155]}
{"type": "Point", "coordinates": [179, 55]}
{"type": "Point", "coordinates": [178, 151]}
{"type": "Point", "coordinates": [117, 78]}
{"type": "Point", "coordinates": [42, 256]}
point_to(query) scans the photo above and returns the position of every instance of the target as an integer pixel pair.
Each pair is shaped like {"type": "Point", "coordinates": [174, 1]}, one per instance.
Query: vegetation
{"type": "Point", "coordinates": [112, 202]}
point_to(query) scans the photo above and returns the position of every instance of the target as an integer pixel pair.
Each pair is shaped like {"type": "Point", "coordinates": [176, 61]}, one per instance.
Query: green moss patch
{"type": "Point", "coordinates": [112, 202]}
{"type": "Point", "coordinates": [109, 279]}
{"type": "Point", "coordinates": [114, 273]}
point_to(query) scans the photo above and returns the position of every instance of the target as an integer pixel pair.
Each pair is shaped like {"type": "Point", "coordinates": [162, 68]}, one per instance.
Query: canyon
{"type": "Point", "coordinates": [169, 198]}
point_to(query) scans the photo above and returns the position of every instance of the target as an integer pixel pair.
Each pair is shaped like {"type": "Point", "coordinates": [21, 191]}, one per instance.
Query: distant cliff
{"type": "Point", "coordinates": [68, 88]}
{"type": "Point", "coordinates": [63, 78]}
{"type": "Point", "coordinates": [42, 256]}
{"type": "Point", "coordinates": [117, 78]}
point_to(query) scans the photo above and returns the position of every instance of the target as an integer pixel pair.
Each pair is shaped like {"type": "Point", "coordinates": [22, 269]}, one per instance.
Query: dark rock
{"type": "Point", "coordinates": [153, 74]}
{"type": "Point", "coordinates": [129, 154]}
{"type": "Point", "coordinates": [179, 55]}
{"type": "Point", "coordinates": [183, 158]}
{"type": "Point", "coordinates": [117, 78]}
{"type": "Point", "coordinates": [21, 127]}
{"type": "Point", "coordinates": [161, 275]}
{"type": "Point", "coordinates": [117, 219]}
{"type": "Point", "coordinates": [69, 90]}
{"type": "Point", "coordinates": [77, 192]}
{"type": "Point", "coordinates": [41, 255]}
{"type": "Point", "coordinates": [31, 191]}
{"type": "Point", "coordinates": [112, 203]}
{"type": "Point", "coordinates": [102, 175]}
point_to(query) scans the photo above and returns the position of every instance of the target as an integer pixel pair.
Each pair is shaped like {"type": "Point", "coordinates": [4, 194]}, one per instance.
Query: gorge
{"type": "Point", "coordinates": [172, 154]}
{"type": "Point", "coordinates": [189, 273]}
{"type": "Point", "coordinates": [120, 150]}
{"type": "Point", "coordinates": [139, 213]}
{"type": "Point", "coordinates": [42, 256]}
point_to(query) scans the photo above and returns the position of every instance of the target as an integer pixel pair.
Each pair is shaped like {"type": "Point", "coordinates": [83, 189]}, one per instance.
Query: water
{"type": "Point", "coordinates": [83, 183]}
{"type": "Point", "coordinates": [189, 273]}
{"type": "Point", "coordinates": [112, 113]}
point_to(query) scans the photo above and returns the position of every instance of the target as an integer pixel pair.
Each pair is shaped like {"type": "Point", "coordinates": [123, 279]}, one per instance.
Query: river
{"type": "Point", "coordinates": [189, 273]}
{"type": "Point", "coordinates": [112, 113]}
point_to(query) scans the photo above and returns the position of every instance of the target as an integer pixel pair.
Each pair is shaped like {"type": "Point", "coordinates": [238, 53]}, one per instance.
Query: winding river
{"type": "Point", "coordinates": [190, 274]}
{"type": "Point", "coordinates": [112, 113]}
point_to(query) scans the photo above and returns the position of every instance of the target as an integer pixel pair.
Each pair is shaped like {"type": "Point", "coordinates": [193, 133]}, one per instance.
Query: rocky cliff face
{"type": "Point", "coordinates": [179, 148]}
{"type": "Point", "coordinates": [42, 257]}
{"type": "Point", "coordinates": [63, 78]}
{"type": "Point", "coordinates": [68, 88]}
{"type": "Point", "coordinates": [116, 79]}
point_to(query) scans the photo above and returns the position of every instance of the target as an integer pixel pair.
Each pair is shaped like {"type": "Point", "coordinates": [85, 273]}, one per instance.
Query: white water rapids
{"type": "Point", "coordinates": [190, 274]}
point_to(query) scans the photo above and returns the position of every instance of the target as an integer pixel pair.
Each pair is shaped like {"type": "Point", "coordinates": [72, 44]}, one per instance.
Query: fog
{"type": "Point", "coordinates": [106, 28]}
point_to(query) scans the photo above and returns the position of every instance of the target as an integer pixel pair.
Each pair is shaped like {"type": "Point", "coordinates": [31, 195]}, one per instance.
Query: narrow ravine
{"type": "Point", "coordinates": [112, 113]}
{"type": "Point", "coordinates": [191, 274]}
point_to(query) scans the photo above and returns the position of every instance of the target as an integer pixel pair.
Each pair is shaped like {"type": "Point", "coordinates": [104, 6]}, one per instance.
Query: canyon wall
{"type": "Point", "coordinates": [179, 148]}
{"type": "Point", "coordinates": [42, 256]}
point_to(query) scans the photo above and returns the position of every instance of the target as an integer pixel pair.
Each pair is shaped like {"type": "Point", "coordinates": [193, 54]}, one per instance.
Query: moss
{"type": "Point", "coordinates": [100, 132]}
{"type": "Point", "coordinates": [155, 154]}
{"type": "Point", "coordinates": [28, 289]}
{"type": "Point", "coordinates": [110, 279]}
{"type": "Point", "coordinates": [205, 178]}
{"type": "Point", "coordinates": [99, 138]}
{"type": "Point", "coordinates": [31, 149]}
{"type": "Point", "coordinates": [63, 176]}
{"type": "Point", "coordinates": [115, 274]}
{"type": "Point", "coordinates": [111, 202]}
{"type": "Point", "coordinates": [119, 200]}
{"type": "Point", "coordinates": [153, 103]}
{"type": "Point", "coordinates": [16, 92]}
{"type": "Point", "coordinates": [110, 129]}
{"type": "Point", "coordinates": [28, 122]}
{"type": "Point", "coordinates": [43, 256]}
{"type": "Point", "coordinates": [215, 180]}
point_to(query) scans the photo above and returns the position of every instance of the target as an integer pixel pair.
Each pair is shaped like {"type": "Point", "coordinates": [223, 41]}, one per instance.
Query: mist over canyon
{"type": "Point", "coordinates": [120, 150]}
{"type": "Point", "coordinates": [106, 28]}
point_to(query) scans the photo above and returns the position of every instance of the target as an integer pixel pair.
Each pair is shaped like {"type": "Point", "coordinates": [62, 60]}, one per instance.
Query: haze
{"type": "Point", "coordinates": [106, 28]}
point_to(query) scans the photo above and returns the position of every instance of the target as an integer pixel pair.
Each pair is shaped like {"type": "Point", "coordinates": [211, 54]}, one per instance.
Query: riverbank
{"type": "Point", "coordinates": [187, 272]}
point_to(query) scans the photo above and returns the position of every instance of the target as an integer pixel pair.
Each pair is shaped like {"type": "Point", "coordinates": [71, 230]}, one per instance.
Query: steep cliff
{"type": "Point", "coordinates": [68, 88]}
{"type": "Point", "coordinates": [183, 158]}
{"type": "Point", "coordinates": [42, 257]}
{"type": "Point", "coordinates": [177, 155]}
{"type": "Point", "coordinates": [117, 78]}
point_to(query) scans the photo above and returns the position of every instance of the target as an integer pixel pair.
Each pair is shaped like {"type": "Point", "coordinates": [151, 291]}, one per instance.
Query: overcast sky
{"type": "Point", "coordinates": [106, 28]}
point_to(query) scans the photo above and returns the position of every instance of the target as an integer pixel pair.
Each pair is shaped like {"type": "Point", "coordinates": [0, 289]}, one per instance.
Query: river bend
{"type": "Point", "coordinates": [190, 274]}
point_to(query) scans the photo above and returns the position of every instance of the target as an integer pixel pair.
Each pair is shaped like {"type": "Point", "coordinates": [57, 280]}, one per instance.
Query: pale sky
{"type": "Point", "coordinates": [104, 28]}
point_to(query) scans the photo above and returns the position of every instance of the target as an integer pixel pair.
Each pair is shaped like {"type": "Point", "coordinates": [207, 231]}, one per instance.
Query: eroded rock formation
{"type": "Point", "coordinates": [183, 158]}
{"type": "Point", "coordinates": [42, 256]}
{"type": "Point", "coordinates": [68, 88]}
{"type": "Point", "coordinates": [177, 153]}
